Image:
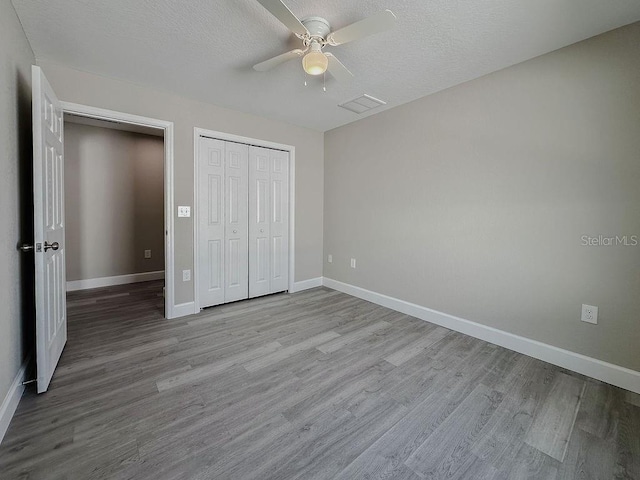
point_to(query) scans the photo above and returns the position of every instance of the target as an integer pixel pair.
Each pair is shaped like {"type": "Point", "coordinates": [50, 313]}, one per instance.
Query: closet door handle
{"type": "Point", "coordinates": [235, 231]}
{"type": "Point", "coordinates": [261, 230]}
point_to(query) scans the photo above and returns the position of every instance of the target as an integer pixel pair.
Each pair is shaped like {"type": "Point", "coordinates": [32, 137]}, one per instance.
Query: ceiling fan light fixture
{"type": "Point", "coordinates": [315, 33]}
{"type": "Point", "coordinates": [315, 62]}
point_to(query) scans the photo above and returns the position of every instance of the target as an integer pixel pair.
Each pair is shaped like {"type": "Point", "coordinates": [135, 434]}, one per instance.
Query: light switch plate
{"type": "Point", "coordinates": [184, 211]}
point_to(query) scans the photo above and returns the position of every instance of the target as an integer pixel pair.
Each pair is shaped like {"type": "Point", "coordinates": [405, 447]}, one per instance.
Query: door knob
{"type": "Point", "coordinates": [261, 230]}
{"type": "Point", "coordinates": [53, 246]}
{"type": "Point", "coordinates": [235, 231]}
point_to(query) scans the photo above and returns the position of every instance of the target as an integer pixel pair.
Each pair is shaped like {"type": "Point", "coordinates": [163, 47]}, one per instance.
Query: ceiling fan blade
{"type": "Point", "coordinates": [369, 26]}
{"type": "Point", "coordinates": [275, 61]}
{"type": "Point", "coordinates": [337, 69]}
{"type": "Point", "coordinates": [279, 10]}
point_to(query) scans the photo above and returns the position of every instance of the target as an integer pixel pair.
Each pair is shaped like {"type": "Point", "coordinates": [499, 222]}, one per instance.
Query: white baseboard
{"type": "Point", "coordinates": [183, 309]}
{"type": "Point", "coordinates": [12, 399]}
{"type": "Point", "coordinates": [117, 280]}
{"type": "Point", "coordinates": [607, 372]}
{"type": "Point", "coordinates": [306, 284]}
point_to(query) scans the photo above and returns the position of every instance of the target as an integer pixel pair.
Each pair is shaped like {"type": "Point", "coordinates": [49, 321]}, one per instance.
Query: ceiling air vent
{"type": "Point", "coordinates": [362, 104]}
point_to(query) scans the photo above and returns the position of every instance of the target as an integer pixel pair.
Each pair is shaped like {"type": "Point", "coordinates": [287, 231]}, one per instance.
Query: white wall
{"type": "Point", "coordinates": [16, 327]}
{"type": "Point", "coordinates": [88, 89]}
{"type": "Point", "coordinates": [114, 202]}
{"type": "Point", "coordinates": [473, 201]}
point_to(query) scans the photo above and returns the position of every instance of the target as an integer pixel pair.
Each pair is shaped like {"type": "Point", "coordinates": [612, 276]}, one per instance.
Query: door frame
{"type": "Point", "coordinates": [112, 115]}
{"type": "Point", "coordinates": [229, 137]}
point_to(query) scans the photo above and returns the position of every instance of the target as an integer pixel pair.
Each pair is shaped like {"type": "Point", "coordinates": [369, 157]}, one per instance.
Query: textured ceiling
{"type": "Point", "coordinates": [205, 50]}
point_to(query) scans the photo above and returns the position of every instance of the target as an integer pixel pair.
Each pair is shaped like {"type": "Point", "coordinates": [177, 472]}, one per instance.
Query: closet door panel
{"type": "Point", "coordinates": [211, 222]}
{"type": "Point", "coordinates": [243, 221]}
{"type": "Point", "coordinates": [259, 222]}
{"type": "Point", "coordinates": [279, 222]}
{"type": "Point", "coordinates": [236, 264]}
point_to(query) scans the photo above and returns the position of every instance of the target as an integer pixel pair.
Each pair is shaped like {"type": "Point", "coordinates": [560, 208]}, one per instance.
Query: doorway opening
{"type": "Point", "coordinates": [114, 204]}
{"type": "Point", "coordinates": [119, 197]}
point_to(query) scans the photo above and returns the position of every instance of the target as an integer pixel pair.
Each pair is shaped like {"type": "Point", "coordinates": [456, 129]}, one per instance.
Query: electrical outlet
{"type": "Point", "coordinates": [330, 258]}
{"type": "Point", "coordinates": [353, 263]}
{"type": "Point", "coordinates": [147, 254]}
{"type": "Point", "coordinates": [186, 275]}
{"type": "Point", "coordinates": [184, 211]}
{"type": "Point", "coordinates": [589, 314]}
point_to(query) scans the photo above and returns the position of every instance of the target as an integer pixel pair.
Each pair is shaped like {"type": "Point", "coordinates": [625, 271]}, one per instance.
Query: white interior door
{"type": "Point", "coordinates": [48, 204]}
{"type": "Point", "coordinates": [211, 222]}
{"type": "Point", "coordinates": [236, 222]}
{"type": "Point", "coordinates": [268, 221]}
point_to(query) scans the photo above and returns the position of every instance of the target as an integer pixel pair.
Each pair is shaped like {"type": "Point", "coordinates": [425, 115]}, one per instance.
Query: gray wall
{"type": "Point", "coordinates": [16, 281]}
{"type": "Point", "coordinates": [473, 201]}
{"type": "Point", "coordinates": [88, 89]}
{"type": "Point", "coordinates": [114, 201]}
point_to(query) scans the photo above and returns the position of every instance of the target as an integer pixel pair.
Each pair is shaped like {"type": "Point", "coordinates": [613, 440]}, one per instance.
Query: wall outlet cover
{"type": "Point", "coordinates": [353, 263]}
{"type": "Point", "coordinates": [589, 314]}
{"type": "Point", "coordinates": [147, 254]}
{"type": "Point", "coordinates": [186, 275]}
{"type": "Point", "coordinates": [330, 258]}
{"type": "Point", "coordinates": [184, 211]}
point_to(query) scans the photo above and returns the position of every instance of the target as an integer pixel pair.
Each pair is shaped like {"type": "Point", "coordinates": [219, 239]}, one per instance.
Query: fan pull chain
{"type": "Point", "coordinates": [324, 82]}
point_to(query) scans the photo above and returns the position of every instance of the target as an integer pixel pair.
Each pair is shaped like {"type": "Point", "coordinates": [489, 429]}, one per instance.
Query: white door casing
{"type": "Point", "coordinates": [236, 262]}
{"type": "Point", "coordinates": [48, 204]}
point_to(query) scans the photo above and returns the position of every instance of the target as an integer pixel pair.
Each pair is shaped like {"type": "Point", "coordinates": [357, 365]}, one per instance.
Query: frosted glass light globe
{"type": "Point", "coordinates": [315, 62]}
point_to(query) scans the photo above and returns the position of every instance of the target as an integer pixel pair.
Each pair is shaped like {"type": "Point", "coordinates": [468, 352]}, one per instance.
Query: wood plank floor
{"type": "Point", "coordinates": [316, 385]}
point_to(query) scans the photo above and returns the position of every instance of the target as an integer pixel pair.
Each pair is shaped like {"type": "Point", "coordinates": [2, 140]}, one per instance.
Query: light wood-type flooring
{"type": "Point", "coordinates": [316, 385]}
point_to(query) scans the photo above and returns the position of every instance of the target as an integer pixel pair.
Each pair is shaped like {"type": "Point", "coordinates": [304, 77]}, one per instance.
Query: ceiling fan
{"type": "Point", "coordinates": [315, 33]}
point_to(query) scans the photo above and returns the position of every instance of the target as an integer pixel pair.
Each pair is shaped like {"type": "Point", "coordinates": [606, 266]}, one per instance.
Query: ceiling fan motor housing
{"type": "Point", "coordinates": [317, 26]}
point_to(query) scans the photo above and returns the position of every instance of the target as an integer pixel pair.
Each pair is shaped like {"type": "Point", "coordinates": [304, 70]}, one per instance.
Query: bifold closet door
{"type": "Point", "coordinates": [236, 256]}
{"type": "Point", "coordinates": [223, 267]}
{"type": "Point", "coordinates": [268, 221]}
